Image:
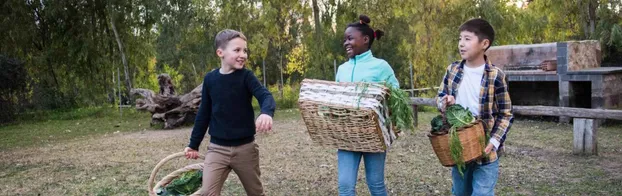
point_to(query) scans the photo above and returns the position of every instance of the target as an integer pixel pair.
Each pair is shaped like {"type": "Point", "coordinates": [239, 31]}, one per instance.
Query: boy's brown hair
{"type": "Point", "coordinates": [481, 28]}
{"type": "Point", "coordinates": [223, 37]}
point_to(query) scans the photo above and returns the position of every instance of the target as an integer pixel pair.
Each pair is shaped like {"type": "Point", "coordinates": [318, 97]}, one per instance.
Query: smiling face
{"type": "Point", "coordinates": [355, 42]}
{"type": "Point", "coordinates": [470, 46]}
{"type": "Point", "coordinates": [234, 54]}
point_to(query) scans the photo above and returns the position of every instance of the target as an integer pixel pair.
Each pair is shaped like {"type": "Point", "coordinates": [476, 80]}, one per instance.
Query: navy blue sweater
{"type": "Point", "coordinates": [226, 108]}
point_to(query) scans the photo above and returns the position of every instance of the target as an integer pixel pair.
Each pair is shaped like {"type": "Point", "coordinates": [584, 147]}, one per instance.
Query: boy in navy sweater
{"type": "Point", "coordinates": [226, 109]}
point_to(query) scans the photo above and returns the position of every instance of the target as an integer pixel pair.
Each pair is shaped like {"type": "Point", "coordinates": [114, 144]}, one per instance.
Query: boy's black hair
{"type": "Point", "coordinates": [481, 28]}
{"type": "Point", "coordinates": [363, 26]}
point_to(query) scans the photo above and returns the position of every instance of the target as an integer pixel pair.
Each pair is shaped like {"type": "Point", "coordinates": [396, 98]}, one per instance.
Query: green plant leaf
{"type": "Point", "coordinates": [437, 123]}
{"type": "Point", "coordinates": [458, 116]}
{"type": "Point", "coordinates": [186, 184]}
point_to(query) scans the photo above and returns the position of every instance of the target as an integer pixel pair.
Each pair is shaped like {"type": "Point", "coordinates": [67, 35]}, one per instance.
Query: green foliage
{"type": "Point", "coordinates": [364, 88]}
{"type": "Point", "coordinates": [400, 107]}
{"type": "Point", "coordinates": [186, 184]}
{"type": "Point", "coordinates": [71, 56]}
{"type": "Point", "coordinates": [437, 124]}
{"type": "Point", "coordinates": [175, 75]}
{"type": "Point", "coordinates": [457, 116]}
{"type": "Point", "coordinates": [14, 86]}
{"type": "Point", "coordinates": [289, 98]}
{"type": "Point", "coordinates": [455, 149]}
{"type": "Point", "coordinates": [288, 101]}
{"type": "Point", "coordinates": [35, 128]}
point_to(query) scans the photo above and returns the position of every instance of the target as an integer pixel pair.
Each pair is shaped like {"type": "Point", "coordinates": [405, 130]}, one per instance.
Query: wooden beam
{"type": "Point", "coordinates": [423, 101]}
{"type": "Point", "coordinates": [546, 110]}
{"type": "Point", "coordinates": [567, 111]}
{"type": "Point", "coordinates": [420, 89]}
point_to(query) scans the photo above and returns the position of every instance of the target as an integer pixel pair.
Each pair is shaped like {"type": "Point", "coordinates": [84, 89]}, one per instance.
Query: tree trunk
{"type": "Point", "coordinates": [281, 66]}
{"type": "Point", "coordinates": [316, 19]}
{"type": "Point", "coordinates": [588, 8]}
{"type": "Point", "coordinates": [123, 58]}
{"type": "Point", "coordinates": [592, 17]}
{"type": "Point", "coordinates": [166, 107]}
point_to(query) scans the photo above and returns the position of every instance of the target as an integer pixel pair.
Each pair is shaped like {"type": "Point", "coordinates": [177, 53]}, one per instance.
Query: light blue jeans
{"type": "Point", "coordinates": [478, 179]}
{"type": "Point", "coordinates": [348, 166]}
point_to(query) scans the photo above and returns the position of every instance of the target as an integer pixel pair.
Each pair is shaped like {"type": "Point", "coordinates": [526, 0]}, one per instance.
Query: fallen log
{"type": "Point", "coordinates": [166, 107]}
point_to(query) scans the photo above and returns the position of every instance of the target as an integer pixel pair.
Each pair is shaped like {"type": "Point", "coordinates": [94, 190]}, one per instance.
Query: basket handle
{"type": "Point", "coordinates": [150, 183]}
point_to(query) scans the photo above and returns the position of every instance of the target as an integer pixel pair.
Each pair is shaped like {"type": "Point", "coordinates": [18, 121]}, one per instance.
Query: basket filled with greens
{"type": "Point", "coordinates": [181, 182]}
{"type": "Point", "coordinates": [457, 137]}
{"type": "Point", "coordinates": [360, 116]}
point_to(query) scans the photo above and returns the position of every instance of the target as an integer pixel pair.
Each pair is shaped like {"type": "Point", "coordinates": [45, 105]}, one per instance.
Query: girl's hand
{"type": "Point", "coordinates": [191, 153]}
{"type": "Point", "coordinates": [263, 124]}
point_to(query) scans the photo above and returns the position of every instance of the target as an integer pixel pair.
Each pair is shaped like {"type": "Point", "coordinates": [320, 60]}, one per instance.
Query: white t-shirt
{"type": "Point", "coordinates": [470, 86]}
{"type": "Point", "coordinates": [468, 92]}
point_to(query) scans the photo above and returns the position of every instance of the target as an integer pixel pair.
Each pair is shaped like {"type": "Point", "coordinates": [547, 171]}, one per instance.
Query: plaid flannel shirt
{"type": "Point", "coordinates": [495, 104]}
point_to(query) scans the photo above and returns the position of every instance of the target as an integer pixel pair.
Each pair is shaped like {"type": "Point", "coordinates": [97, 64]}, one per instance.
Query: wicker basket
{"type": "Point", "coordinates": [470, 138]}
{"type": "Point", "coordinates": [152, 186]}
{"type": "Point", "coordinates": [347, 116]}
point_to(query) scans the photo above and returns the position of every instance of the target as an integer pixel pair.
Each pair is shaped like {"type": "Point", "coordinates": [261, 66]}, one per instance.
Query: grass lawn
{"type": "Point", "coordinates": [45, 128]}
{"type": "Point", "coordinates": [43, 158]}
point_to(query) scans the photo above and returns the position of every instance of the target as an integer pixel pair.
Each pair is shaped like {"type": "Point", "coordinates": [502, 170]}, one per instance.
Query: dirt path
{"type": "Point", "coordinates": [538, 162]}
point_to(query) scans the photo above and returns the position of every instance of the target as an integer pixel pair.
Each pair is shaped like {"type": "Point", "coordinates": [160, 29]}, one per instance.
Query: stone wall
{"type": "Point", "coordinates": [612, 91]}
{"type": "Point", "coordinates": [583, 54]}
{"type": "Point", "coordinates": [529, 56]}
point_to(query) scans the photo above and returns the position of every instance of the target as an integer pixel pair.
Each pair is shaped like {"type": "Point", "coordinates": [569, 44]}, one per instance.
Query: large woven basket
{"type": "Point", "coordinates": [347, 116]}
{"type": "Point", "coordinates": [471, 139]}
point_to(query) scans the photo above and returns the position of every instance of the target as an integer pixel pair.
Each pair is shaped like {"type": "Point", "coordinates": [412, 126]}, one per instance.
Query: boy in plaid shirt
{"type": "Point", "coordinates": [481, 87]}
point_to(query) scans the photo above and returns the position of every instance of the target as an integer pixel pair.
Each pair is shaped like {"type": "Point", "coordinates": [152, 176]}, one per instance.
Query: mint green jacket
{"type": "Point", "coordinates": [366, 68]}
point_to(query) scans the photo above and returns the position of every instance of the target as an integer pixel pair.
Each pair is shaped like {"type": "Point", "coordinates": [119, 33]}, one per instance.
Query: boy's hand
{"type": "Point", "coordinates": [447, 101]}
{"type": "Point", "coordinates": [263, 123]}
{"type": "Point", "coordinates": [191, 153]}
{"type": "Point", "coordinates": [489, 148]}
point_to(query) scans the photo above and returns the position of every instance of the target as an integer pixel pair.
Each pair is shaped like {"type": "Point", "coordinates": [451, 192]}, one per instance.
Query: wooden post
{"type": "Point", "coordinates": [584, 133]}
{"type": "Point", "coordinates": [412, 81]}
{"type": "Point", "coordinates": [120, 99]}
{"type": "Point", "coordinates": [415, 117]}
{"type": "Point", "coordinates": [412, 94]}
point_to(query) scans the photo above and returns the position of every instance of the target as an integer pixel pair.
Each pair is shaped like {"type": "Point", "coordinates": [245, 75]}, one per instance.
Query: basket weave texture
{"type": "Point", "coordinates": [470, 138]}
{"type": "Point", "coordinates": [347, 116]}
{"type": "Point", "coordinates": [152, 186]}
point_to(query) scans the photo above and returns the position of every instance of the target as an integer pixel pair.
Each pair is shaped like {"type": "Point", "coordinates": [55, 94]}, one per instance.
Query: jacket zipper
{"type": "Point", "coordinates": [353, 68]}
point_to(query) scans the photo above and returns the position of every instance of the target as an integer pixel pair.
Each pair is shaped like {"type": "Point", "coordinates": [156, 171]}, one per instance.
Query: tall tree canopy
{"type": "Point", "coordinates": [73, 51]}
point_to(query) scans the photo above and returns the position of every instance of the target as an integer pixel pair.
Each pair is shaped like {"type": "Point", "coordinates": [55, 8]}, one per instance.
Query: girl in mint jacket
{"type": "Point", "coordinates": [362, 66]}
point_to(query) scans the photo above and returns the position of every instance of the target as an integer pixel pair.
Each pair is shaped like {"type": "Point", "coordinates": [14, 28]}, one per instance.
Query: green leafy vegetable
{"type": "Point", "coordinates": [398, 103]}
{"type": "Point", "coordinates": [458, 116]}
{"type": "Point", "coordinates": [437, 124]}
{"type": "Point", "coordinates": [362, 93]}
{"type": "Point", "coordinates": [455, 149]}
{"type": "Point", "coordinates": [186, 184]}
{"type": "Point", "coordinates": [401, 110]}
